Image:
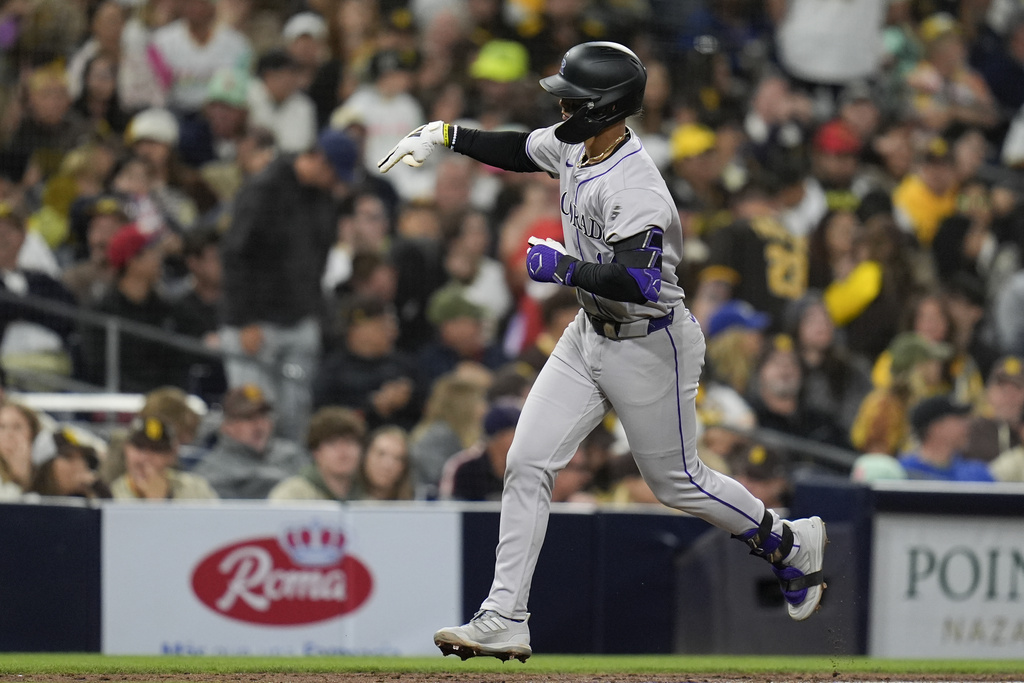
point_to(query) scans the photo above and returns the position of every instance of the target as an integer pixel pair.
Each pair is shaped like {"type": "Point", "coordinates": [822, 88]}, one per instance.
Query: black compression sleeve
{"type": "Point", "coordinates": [505, 150]}
{"type": "Point", "coordinates": [610, 280]}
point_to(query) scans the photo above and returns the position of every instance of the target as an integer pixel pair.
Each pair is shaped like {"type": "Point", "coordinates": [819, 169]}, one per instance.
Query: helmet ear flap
{"type": "Point", "coordinates": [579, 126]}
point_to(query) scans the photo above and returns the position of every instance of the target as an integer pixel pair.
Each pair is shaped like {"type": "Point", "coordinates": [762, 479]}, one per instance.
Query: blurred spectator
{"type": "Point", "coordinates": [215, 131]}
{"type": "Point", "coordinates": [273, 257]}
{"type": "Point", "coordinates": [196, 312]}
{"type": "Point", "coordinates": [467, 261]}
{"type": "Point", "coordinates": [89, 279]}
{"type": "Point", "coordinates": [826, 46]}
{"type": "Point", "coordinates": [776, 396]}
{"type": "Point", "coordinates": [735, 338]}
{"type": "Point", "coordinates": [944, 90]}
{"type": "Point", "coordinates": [866, 304]}
{"type": "Point", "coordinates": [460, 336]}
{"type": "Point", "coordinates": [1002, 65]}
{"type": "Point", "coordinates": [50, 128]}
{"type": "Point", "coordinates": [150, 455]}
{"type": "Point", "coordinates": [186, 53]}
{"type": "Point", "coordinates": [452, 421]}
{"type": "Point", "coordinates": [15, 316]}
{"type": "Point", "coordinates": [143, 363]}
{"type": "Point", "coordinates": [104, 41]}
{"type": "Point", "coordinates": [941, 427]}
{"type": "Point", "coordinates": [834, 382]}
{"type": "Point", "coordinates": [928, 195]}
{"type": "Point", "coordinates": [99, 103]}
{"type": "Point", "coordinates": [499, 95]}
{"type": "Point", "coordinates": [835, 162]}
{"type": "Point", "coordinates": [305, 39]}
{"type": "Point", "coordinates": [763, 472]}
{"type": "Point", "coordinates": [724, 419]}
{"type": "Point", "coordinates": [247, 460]}
{"type": "Point", "coordinates": [477, 472]}
{"type": "Point", "coordinates": [178, 192]}
{"type": "Point", "coordinates": [758, 259]}
{"type": "Point", "coordinates": [386, 466]}
{"type": "Point", "coordinates": [277, 104]}
{"type": "Point", "coordinates": [882, 424]}
{"type": "Point", "coordinates": [336, 442]}
{"type": "Point", "coordinates": [365, 373]}
{"type": "Point", "coordinates": [996, 427]}
{"type": "Point", "coordinates": [172, 406]}
{"type": "Point", "coordinates": [363, 226]}
{"type": "Point", "coordinates": [964, 241]}
{"type": "Point", "coordinates": [557, 312]}
{"type": "Point", "coordinates": [832, 252]}
{"type": "Point", "coordinates": [19, 426]}
{"type": "Point", "coordinates": [385, 105]}
{"type": "Point", "coordinates": [698, 163]}
{"type": "Point", "coordinates": [72, 471]}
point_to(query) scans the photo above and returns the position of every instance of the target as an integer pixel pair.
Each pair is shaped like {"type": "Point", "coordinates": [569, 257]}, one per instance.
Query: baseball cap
{"type": "Point", "coordinates": [155, 124]}
{"type": "Point", "coordinates": [127, 243]}
{"type": "Point", "coordinates": [362, 308]}
{"type": "Point", "coordinates": [1008, 369]}
{"type": "Point", "coordinates": [937, 26]}
{"type": "Point", "coordinates": [875, 466]}
{"type": "Point", "coordinates": [341, 151]}
{"type": "Point", "coordinates": [937, 151]}
{"type": "Point", "coordinates": [737, 313]}
{"type": "Point", "coordinates": [244, 402]}
{"type": "Point", "coordinates": [910, 348]}
{"type": "Point", "coordinates": [756, 461]}
{"type": "Point", "coordinates": [152, 434]}
{"type": "Point", "coordinates": [450, 303]}
{"type": "Point", "coordinates": [499, 418]}
{"type": "Point", "coordinates": [837, 137]}
{"type": "Point", "coordinates": [107, 205]}
{"type": "Point", "coordinates": [690, 140]}
{"type": "Point", "coordinates": [11, 213]}
{"type": "Point", "coordinates": [274, 60]}
{"type": "Point", "coordinates": [304, 24]}
{"type": "Point", "coordinates": [502, 61]}
{"type": "Point", "coordinates": [387, 61]}
{"type": "Point", "coordinates": [932, 409]}
{"type": "Point", "coordinates": [230, 86]}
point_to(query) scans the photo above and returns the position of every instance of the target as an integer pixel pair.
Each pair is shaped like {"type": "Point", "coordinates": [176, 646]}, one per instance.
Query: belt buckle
{"type": "Point", "coordinates": [609, 330]}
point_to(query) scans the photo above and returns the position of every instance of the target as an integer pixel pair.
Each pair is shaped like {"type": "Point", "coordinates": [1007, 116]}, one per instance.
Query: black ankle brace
{"type": "Point", "coordinates": [763, 544]}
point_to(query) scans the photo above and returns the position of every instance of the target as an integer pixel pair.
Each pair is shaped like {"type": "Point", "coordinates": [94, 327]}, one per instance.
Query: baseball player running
{"type": "Point", "coordinates": [634, 347]}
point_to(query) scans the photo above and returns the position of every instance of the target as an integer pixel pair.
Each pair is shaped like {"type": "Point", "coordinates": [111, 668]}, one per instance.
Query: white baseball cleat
{"type": "Point", "coordinates": [487, 633]}
{"type": "Point", "coordinates": [800, 576]}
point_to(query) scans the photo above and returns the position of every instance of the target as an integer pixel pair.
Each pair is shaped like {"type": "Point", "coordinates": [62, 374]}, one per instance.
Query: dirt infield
{"type": "Point", "coordinates": [510, 676]}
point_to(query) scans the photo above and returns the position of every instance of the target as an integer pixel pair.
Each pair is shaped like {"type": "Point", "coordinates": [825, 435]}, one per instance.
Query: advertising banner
{"type": "Point", "coordinates": [947, 586]}
{"type": "Point", "coordinates": [301, 579]}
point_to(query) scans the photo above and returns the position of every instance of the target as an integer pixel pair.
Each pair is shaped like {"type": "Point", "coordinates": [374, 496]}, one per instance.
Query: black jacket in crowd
{"type": "Point", "coordinates": [276, 248]}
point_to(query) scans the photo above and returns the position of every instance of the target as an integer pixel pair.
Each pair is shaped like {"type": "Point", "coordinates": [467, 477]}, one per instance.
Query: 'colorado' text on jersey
{"type": "Point", "coordinates": [608, 202]}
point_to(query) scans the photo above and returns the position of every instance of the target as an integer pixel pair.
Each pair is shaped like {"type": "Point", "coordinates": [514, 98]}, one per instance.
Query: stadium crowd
{"type": "Point", "coordinates": [849, 175]}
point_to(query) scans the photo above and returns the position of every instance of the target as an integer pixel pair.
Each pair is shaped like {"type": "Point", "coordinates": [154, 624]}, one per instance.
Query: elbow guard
{"type": "Point", "coordinates": [641, 255]}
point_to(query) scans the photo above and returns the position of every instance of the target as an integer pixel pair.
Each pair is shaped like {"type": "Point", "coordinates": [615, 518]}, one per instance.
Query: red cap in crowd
{"type": "Point", "coordinates": [837, 137]}
{"type": "Point", "coordinates": [126, 245]}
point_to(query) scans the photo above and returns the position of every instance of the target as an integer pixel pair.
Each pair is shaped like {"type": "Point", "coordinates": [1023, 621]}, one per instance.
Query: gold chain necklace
{"type": "Point", "coordinates": [605, 153]}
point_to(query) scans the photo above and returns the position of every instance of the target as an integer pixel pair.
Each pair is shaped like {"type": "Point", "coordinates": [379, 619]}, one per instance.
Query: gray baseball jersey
{"type": "Point", "coordinates": [649, 376]}
{"type": "Point", "coordinates": [606, 203]}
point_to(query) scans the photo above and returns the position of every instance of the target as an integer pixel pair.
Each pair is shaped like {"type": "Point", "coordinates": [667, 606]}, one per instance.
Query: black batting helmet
{"type": "Point", "coordinates": [609, 79]}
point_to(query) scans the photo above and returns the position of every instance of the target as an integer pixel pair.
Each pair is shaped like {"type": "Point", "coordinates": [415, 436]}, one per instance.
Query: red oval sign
{"type": "Point", "coordinates": [257, 582]}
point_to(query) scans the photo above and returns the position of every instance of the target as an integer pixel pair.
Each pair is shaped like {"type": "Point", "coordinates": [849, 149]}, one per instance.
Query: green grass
{"type": "Point", "coordinates": [36, 664]}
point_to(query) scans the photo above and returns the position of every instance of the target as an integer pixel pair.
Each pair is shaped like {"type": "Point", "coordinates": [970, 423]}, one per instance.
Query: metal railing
{"type": "Point", "coordinates": [115, 327]}
{"type": "Point", "coordinates": [826, 456]}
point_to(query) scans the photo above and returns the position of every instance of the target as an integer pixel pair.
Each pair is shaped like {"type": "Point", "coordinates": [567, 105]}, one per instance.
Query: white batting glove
{"type": "Point", "coordinates": [415, 147]}
{"type": "Point", "coordinates": [554, 244]}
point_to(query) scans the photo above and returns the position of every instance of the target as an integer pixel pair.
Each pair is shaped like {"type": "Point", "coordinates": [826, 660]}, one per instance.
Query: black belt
{"type": "Point", "coordinates": [616, 331]}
